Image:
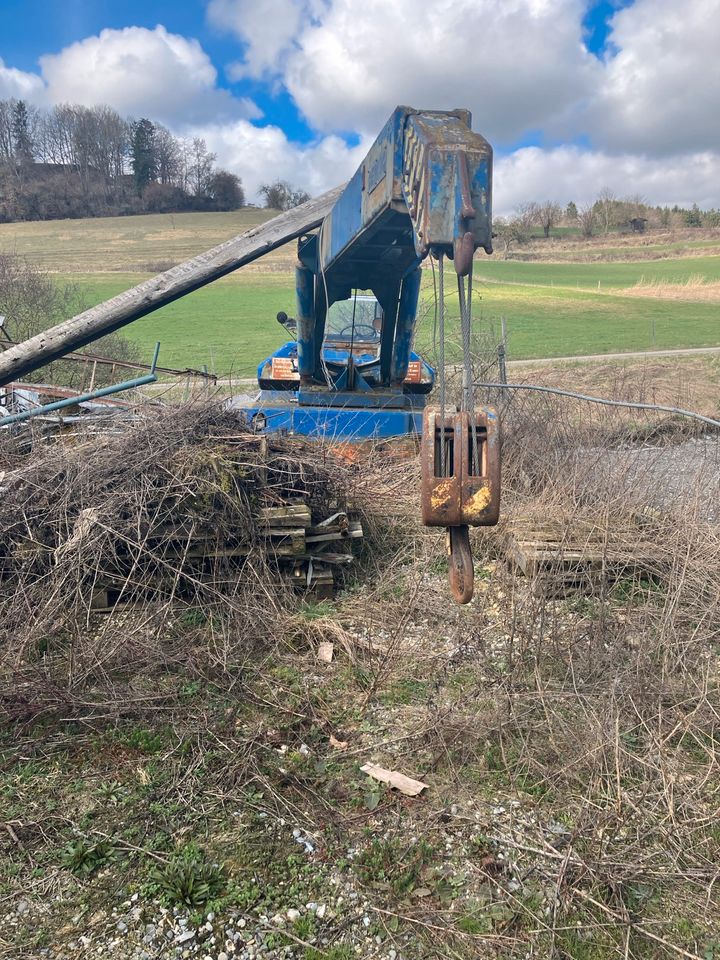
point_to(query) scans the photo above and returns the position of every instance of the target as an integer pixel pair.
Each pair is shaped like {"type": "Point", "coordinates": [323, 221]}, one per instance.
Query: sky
{"type": "Point", "coordinates": [575, 96]}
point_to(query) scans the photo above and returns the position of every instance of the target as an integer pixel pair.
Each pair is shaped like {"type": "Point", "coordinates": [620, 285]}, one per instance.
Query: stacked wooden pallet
{"type": "Point", "coordinates": [312, 548]}
{"type": "Point", "coordinates": [569, 554]}
{"type": "Point", "coordinates": [305, 550]}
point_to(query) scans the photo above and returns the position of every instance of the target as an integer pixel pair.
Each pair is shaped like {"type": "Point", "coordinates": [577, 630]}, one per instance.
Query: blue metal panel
{"type": "Point", "coordinates": [368, 194]}
{"type": "Point", "coordinates": [330, 423]}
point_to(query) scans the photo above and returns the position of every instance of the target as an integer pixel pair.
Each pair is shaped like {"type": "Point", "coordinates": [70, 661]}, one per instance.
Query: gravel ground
{"type": "Point", "coordinates": [687, 472]}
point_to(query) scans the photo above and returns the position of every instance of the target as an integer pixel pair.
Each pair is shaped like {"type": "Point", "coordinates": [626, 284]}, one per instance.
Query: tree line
{"type": "Point", "coordinates": [601, 216]}
{"type": "Point", "coordinates": [76, 161]}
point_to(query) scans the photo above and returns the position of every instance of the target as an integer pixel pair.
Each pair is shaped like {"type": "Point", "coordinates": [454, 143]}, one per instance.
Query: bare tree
{"type": "Point", "coordinates": [516, 229]}
{"type": "Point", "coordinates": [606, 209]}
{"type": "Point", "coordinates": [168, 156]}
{"type": "Point", "coordinates": [201, 167]}
{"type": "Point", "coordinates": [587, 218]}
{"type": "Point", "coordinates": [7, 148]}
{"type": "Point", "coordinates": [548, 215]}
{"type": "Point", "coordinates": [111, 149]}
{"type": "Point", "coordinates": [31, 301]}
{"type": "Point", "coordinates": [280, 195]}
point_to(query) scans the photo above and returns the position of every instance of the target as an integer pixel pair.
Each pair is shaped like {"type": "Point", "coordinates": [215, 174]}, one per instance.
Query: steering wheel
{"type": "Point", "coordinates": [362, 330]}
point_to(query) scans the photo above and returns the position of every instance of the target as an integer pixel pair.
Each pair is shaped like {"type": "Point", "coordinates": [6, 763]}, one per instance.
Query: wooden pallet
{"type": "Point", "coordinates": [305, 550]}
{"type": "Point", "coordinates": [577, 555]}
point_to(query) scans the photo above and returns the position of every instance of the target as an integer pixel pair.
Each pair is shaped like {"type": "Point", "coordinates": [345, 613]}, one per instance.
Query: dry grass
{"type": "Point", "coordinates": [620, 247]}
{"type": "Point", "coordinates": [570, 744]}
{"type": "Point", "coordinates": [692, 383]}
{"type": "Point", "coordinates": [695, 288]}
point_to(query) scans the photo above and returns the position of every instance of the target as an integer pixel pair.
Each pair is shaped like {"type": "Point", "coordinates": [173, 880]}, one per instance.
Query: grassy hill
{"type": "Point", "coordinates": [551, 309]}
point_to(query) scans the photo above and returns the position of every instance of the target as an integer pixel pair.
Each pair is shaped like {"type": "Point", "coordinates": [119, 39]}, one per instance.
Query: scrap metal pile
{"type": "Point", "coordinates": [181, 505]}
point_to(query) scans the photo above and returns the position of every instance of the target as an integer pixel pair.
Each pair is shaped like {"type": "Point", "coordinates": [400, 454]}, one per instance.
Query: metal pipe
{"type": "Point", "coordinates": [630, 405]}
{"type": "Point", "coordinates": [85, 397]}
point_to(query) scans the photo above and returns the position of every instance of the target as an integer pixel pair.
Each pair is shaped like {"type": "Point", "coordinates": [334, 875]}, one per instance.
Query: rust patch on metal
{"type": "Point", "coordinates": [478, 502]}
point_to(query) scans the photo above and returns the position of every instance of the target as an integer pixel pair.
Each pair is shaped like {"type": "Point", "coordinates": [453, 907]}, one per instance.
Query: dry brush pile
{"type": "Point", "coordinates": [569, 740]}
{"type": "Point", "coordinates": [167, 515]}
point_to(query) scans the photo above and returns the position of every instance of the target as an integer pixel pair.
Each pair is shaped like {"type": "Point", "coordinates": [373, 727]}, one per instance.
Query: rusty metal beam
{"type": "Point", "coordinates": [152, 294]}
{"type": "Point", "coordinates": [90, 358]}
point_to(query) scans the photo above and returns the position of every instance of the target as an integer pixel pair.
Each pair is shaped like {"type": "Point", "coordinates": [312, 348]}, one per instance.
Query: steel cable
{"type": "Point", "coordinates": [660, 408]}
{"type": "Point", "coordinates": [441, 358]}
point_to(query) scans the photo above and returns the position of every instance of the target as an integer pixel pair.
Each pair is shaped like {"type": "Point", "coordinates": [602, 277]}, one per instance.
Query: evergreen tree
{"type": "Point", "coordinates": [693, 218]}
{"type": "Point", "coordinates": [143, 154]}
{"type": "Point", "coordinates": [22, 142]}
{"type": "Point", "coordinates": [571, 212]}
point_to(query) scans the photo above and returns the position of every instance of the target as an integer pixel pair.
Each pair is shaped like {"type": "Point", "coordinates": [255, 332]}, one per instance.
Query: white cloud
{"type": "Point", "coordinates": [661, 91]}
{"type": "Point", "coordinates": [18, 84]}
{"type": "Point", "coordinates": [266, 29]}
{"type": "Point", "coordinates": [262, 154]}
{"type": "Point", "coordinates": [518, 65]}
{"type": "Point", "coordinates": [569, 173]}
{"type": "Point", "coordinates": [142, 72]}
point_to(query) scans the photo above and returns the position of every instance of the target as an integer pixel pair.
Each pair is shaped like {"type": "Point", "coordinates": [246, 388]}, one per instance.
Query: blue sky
{"type": "Point", "coordinates": [31, 28]}
{"type": "Point", "coordinates": [575, 95]}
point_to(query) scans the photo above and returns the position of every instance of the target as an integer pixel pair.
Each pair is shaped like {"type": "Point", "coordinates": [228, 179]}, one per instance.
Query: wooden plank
{"type": "Point", "coordinates": [291, 516]}
{"type": "Point", "coordinates": [353, 532]}
{"type": "Point", "coordinates": [152, 294]}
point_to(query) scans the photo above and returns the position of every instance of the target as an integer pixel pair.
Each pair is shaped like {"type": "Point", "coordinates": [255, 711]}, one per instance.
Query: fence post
{"type": "Point", "coordinates": [502, 369]}
{"type": "Point", "coordinates": [501, 363]}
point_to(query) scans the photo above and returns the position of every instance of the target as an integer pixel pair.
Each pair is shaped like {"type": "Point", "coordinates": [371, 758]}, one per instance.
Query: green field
{"type": "Point", "coordinates": [589, 275]}
{"type": "Point", "coordinates": [230, 325]}
{"type": "Point", "coordinates": [123, 243]}
{"type": "Point", "coordinates": [551, 309]}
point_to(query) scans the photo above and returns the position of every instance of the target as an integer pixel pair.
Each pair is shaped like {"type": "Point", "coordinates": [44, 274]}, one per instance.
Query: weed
{"type": "Point", "coordinates": [189, 880]}
{"type": "Point", "coordinates": [407, 690]}
{"type": "Point", "coordinates": [142, 740]}
{"type": "Point", "coordinates": [84, 857]}
{"type": "Point", "coordinates": [111, 793]}
{"type": "Point", "coordinates": [315, 610]}
{"type": "Point", "coordinates": [392, 865]}
{"type": "Point", "coordinates": [305, 927]}
{"type": "Point", "coordinates": [475, 925]}
{"type": "Point", "coordinates": [192, 617]}
{"type": "Point", "coordinates": [337, 952]}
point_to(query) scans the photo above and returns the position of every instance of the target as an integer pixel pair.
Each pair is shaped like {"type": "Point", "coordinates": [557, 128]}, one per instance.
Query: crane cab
{"type": "Point", "coordinates": [350, 354]}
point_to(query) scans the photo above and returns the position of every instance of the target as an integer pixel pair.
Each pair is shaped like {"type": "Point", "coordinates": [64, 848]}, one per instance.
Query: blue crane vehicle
{"type": "Point", "coordinates": [423, 190]}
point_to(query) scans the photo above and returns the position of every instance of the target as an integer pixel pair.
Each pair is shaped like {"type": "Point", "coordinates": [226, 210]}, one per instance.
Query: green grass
{"type": "Point", "coordinates": [546, 322]}
{"type": "Point", "coordinates": [230, 325]}
{"type": "Point", "coordinates": [590, 274]}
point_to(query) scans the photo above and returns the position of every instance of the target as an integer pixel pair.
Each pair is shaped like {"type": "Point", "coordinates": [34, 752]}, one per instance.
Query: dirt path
{"type": "Point", "coordinates": [639, 355]}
